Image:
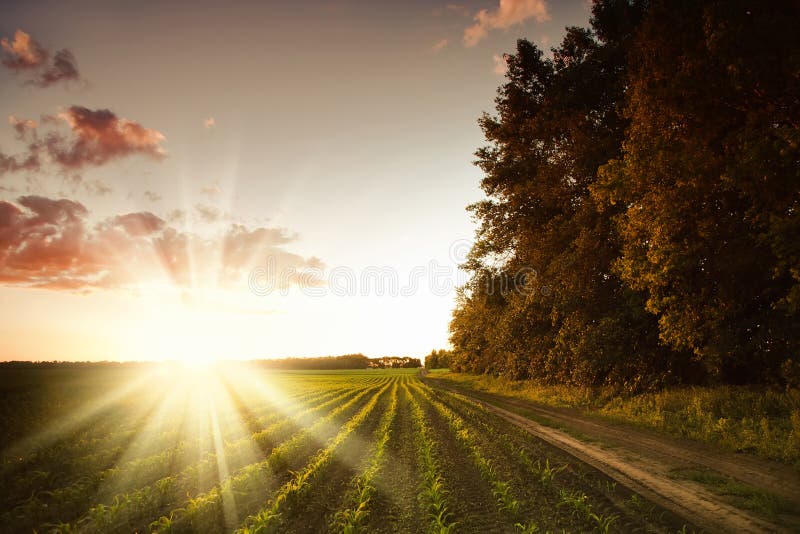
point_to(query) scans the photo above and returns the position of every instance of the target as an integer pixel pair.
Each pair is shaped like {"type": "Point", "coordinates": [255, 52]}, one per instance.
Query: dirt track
{"type": "Point", "coordinates": [641, 460]}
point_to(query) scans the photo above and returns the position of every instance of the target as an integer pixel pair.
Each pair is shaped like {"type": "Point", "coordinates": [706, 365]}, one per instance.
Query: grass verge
{"type": "Point", "coordinates": [763, 422]}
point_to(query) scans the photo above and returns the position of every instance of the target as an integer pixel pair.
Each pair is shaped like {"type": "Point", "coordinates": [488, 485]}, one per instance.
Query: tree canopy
{"type": "Point", "coordinates": [641, 215]}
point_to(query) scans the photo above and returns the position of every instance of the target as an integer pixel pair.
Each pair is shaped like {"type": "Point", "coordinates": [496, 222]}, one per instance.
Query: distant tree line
{"type": "Point", "coordinates": [347, 361]}
{"type": "Point", "coordinates": [438, 359]}
{"type": "Point", "coordinates": [642, 220]}
{"type": "Point", "coordinates": [21, 364]}
{"type": "Point", "coordinates": [395, 362]}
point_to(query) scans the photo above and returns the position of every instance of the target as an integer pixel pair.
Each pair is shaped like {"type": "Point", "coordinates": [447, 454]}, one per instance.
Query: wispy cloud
{"type": "Point", "coordinates": [451, 7]}
{"type": "Point", "coordinates": [208, 213]}
{"type": "Point", "coordinates": [211, 190]}
{"type": "Point", "coordinates": [439, 46]}
{"type": "Point", "coordinates": [507, 14]}
{"type": "Point", "coordinates": [152, 196]}
{"type": "Point", "coordinates": [23, 54]}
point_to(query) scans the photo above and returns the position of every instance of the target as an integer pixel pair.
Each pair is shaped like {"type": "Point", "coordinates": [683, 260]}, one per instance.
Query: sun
{"type": "Point", "coordinates": [188, 335]}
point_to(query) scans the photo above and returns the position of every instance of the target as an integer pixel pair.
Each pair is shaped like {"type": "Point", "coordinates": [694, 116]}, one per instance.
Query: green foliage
{"type": "Point", "coordinates": [438, 359]}
{"type": "Point", "coordinates": [709, 180]}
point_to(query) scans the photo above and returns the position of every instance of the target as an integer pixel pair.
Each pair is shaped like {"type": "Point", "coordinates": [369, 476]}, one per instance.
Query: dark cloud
{"type": "Point", "coordinates": [63, 68]}
{"type": "Point", "coordinates": [48, 243]}
{"type": "Point", "coordinates": [93, 138]}
{"type": "Point", "coordinates": [98, 136]}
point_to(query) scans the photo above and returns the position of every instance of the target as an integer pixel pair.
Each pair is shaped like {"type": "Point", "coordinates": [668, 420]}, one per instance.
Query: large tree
{"type": "Point", "coordinates": [558, 120]}
{"type": "Point", "coordinates": [646, 180]}
{"type": "Point", "coordinates": [710, 181]}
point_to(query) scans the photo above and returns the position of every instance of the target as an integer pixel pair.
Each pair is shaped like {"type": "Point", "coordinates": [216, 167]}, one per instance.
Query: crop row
{"type": "Point", "coordinates": [578, 507]}
{"type": "Point", "coordinates": [291, 493]}
{"type": "Point", "coordinates": [135, 507]}
{"type": "Point", "coordinates": [136, 470]}
{"type": "Point", "coordinates": [352, 518]}
{"type": "Point", "coordinates": [246, 488]}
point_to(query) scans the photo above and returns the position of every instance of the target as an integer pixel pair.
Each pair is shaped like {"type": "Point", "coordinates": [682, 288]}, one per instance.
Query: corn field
{"type": "Point", "coordinates": [259, 452]}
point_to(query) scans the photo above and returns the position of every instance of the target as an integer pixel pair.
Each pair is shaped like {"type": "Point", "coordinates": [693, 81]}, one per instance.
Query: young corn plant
{"type": "Point", "coordinates": [577, 502]}
{"type": "Point", "coordinates": [433, 495]}
{"type": "Point", "coordinates": [352, 519]}
{"type": "Point", "coordinates": [603, 523]}
{"type": "Point", "coordinates": [527, 528]}
{"type": "Point", "coordinates": [501, 490]}
{"type": "Point", "coordinates": [254, 478]}
{"type": "Point", "coordinates": [292, 492]}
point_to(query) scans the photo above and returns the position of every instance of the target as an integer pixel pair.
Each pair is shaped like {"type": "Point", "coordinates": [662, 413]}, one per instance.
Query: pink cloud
{"type": "Point", "coordinates": [25, 54]}
{"type": "Point", "coordinates": [49, 243]}
{"type": "Point", "coordinates": [94, 138]}
{"type": "Point", "coordinates": [209, 123]}
{"type": "Point", "coordinates": [24, 127]}
{"type": "Point", "coordinates": [99, 136]}
{"type": "Point", "coordinates": [508, 13]}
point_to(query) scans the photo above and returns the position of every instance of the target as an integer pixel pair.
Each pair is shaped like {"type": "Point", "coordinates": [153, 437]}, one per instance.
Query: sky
{"type": "Point", "coordinates": [233, 180]}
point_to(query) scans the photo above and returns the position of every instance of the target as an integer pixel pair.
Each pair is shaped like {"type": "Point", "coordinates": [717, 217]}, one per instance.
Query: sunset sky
{"type": "Point", "coordinates": [228, 180]}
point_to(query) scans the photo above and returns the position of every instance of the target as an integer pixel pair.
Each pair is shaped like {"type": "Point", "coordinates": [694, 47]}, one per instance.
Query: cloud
{"type": "Point", "coordinates": [49, 243]}
{"type": "Point", "coordinates": [97, 187]}
{"type": "Point", "coordinates": [93, 138]}
{"type": "Point", "coordinates": [500, 65]}
{"type": "Point", "coordinates": [176, 216]}
{"type": "Point", "coordinates": [139, 224]}
{"type": "Point", "coordinates": [25, 131]}
{"type": "Point", "coordinates": [208, 214]}
{"type": "Point", "coordinates": [508, 13]}
{"type": "Point", "coordinates": [63, 68]}
{"type": "Point", "coordinates": [27, 162]}
{"type": "Point", "coordinates": [451, 7]}
{"type": "Point", "coordinates": [209, 123]}
{"type": "Point", "coordinates": [211, 190]}
{"type": "Point", "coordinates": [100, 136]}
{"type": "Point", "coordinates": [25, 128]}
{"type": "Point", "coordinates": [152, 196]}
{"type": "Point", "coordinates": [24, 54]}
{"type": "Point", "coordinates": [439, 46]}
